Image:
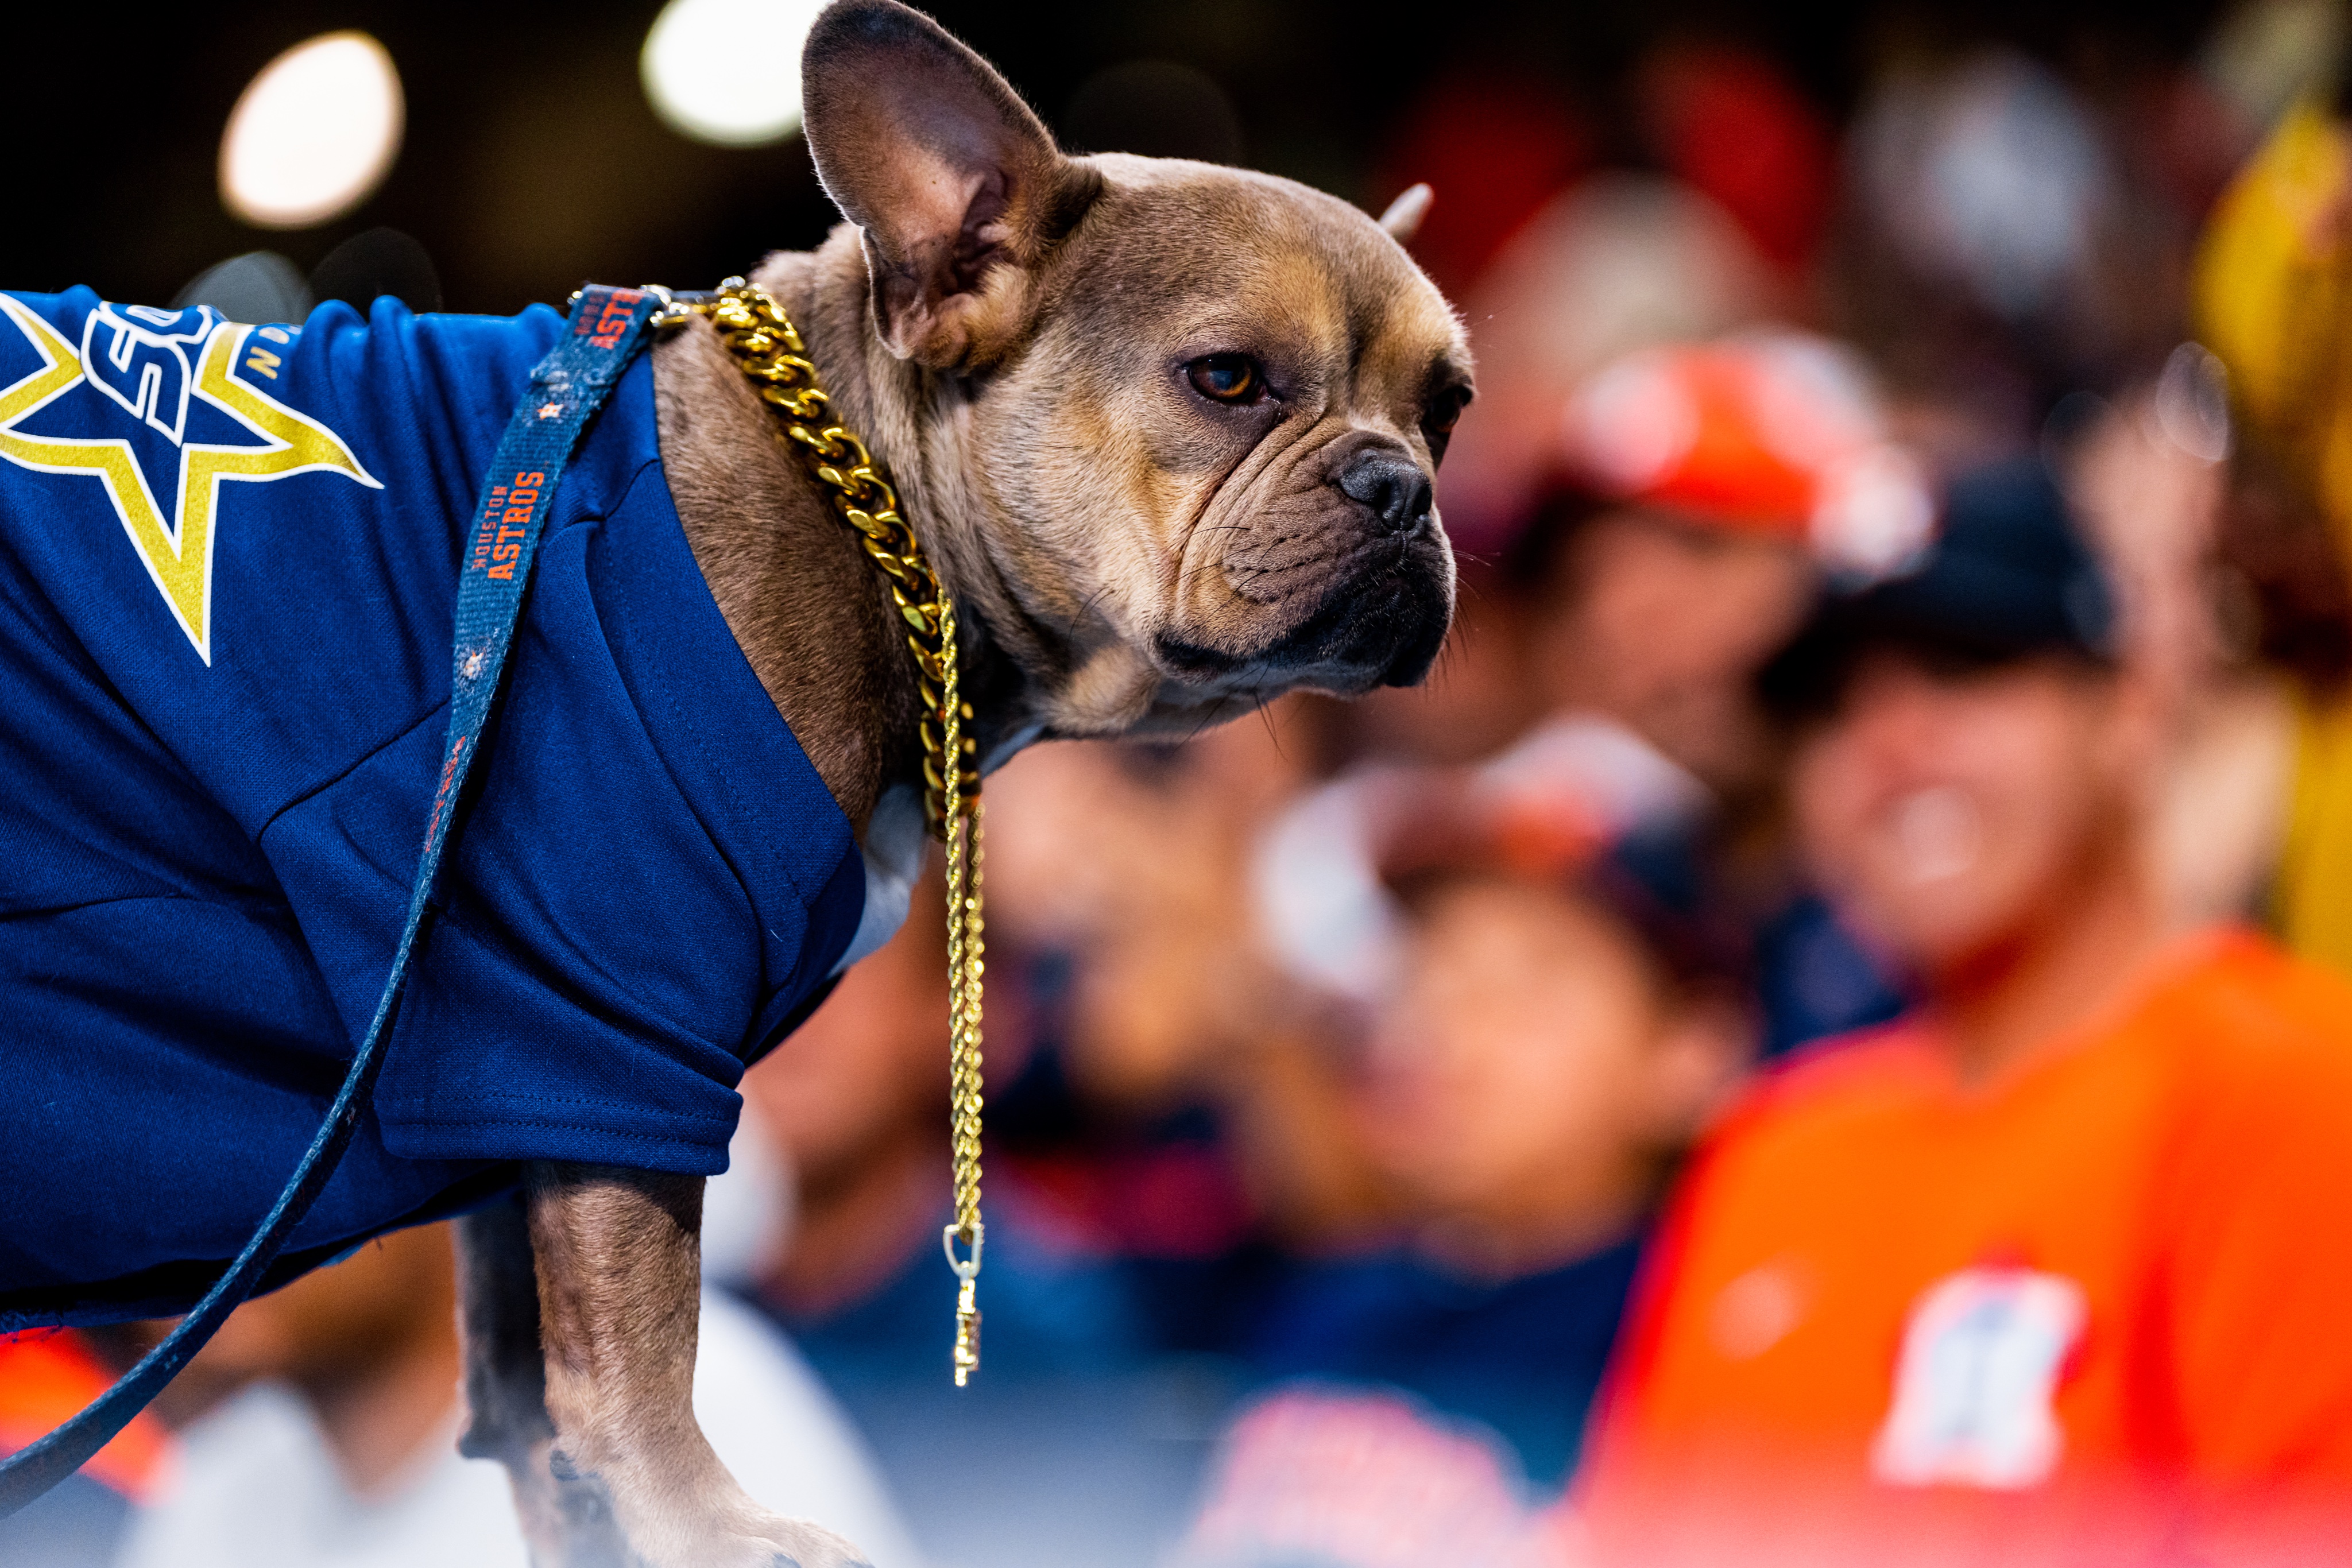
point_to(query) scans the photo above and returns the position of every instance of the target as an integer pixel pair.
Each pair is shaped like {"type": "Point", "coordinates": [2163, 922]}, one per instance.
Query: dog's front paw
{"type": "Point", "coordinates": [758, 1540]}
{"type": "Point", "coordinates": [697, 1520]}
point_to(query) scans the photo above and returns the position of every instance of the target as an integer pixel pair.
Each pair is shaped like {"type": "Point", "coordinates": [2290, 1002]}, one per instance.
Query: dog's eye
{"type": "Point", "coordinates": [1227, 377]}
{"type": "Point", "coordinates": [1445, 411]}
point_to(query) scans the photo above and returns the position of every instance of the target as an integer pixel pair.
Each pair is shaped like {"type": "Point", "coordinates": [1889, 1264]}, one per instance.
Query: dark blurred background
{"type": "Point", "coordinates": [532, 159]}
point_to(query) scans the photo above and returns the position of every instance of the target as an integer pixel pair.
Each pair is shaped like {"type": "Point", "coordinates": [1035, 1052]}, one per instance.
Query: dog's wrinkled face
{"type": "Point", "coordinates": [1191, 415]}
{"type": "Point", "coordinates": [1232, 416]}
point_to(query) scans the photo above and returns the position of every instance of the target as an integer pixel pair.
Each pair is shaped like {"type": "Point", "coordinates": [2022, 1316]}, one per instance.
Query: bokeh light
{"type": "Point", "coordinates": [313, 134]}
{"type": "Point", "coordinates": [728, 71]}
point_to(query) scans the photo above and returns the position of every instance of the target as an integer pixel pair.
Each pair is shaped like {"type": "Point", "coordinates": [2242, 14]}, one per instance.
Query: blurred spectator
{"type": "Point", "coordinates": [2149, 477]}
{"type": "Point", "coordinates": [1710, 485]}
{"type": "Point", "coordinates": [1617, 262]}
{"type": "Point", "coordinates": [2063, 1259]}
{"type": "Point", "coordinates": [1352, 1480]}
{"type": "Point", "coordinates": [46, 1375]}
{"type": "Point", "coordinates": [1707, 488]}
{"type": "Point", "coordinates": [2005, 241]}
{"type": "Point", "coordinates": [329, 1437]}
{"type": "Point", "coordinates": [1555, 1003]}
{"type": "Point", "coordinates": [1987, 174]}
{"type": "Point", "coordinates": [1171, 1034]}
{"type": "Point", "coordinates": [1730, 121]}
{"type": "Point", "coordinates": [1067, 1447]}
{"type": "Point", "coordinates": [2271, 303]}
{"type": "Point", "coordinates": [857, 1099]}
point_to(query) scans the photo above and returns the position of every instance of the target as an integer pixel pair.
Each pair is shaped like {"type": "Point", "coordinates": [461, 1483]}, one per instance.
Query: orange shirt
{"type": "Point", "coordinates": [2099, 1306]}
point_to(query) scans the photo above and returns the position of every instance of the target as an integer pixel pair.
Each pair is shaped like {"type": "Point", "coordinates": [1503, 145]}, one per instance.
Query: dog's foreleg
{"type": "Point", "coordinates": [506, 1378]}
{"type": "Point", "coordinates": [619, 1266]}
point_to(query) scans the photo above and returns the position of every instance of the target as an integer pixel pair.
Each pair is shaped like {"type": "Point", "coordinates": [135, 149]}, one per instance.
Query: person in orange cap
{"type": "Point", "coordinates": [1705, 487]}
{"type": "Point", "coordinates": [1706, 491]}
{"type": "Point", "coordinates": [2056, 1269]}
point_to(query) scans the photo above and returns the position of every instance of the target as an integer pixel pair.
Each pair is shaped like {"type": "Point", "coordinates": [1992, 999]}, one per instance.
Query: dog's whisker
{"type": "Point", "coordinates": [1080, 613]}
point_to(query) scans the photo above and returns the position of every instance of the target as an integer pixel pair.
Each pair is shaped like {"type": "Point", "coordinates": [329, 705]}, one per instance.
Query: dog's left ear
{"type": "Point", "coordinates": [1403, 219]}
{"type": "Point", "coordinates": [957, 184]}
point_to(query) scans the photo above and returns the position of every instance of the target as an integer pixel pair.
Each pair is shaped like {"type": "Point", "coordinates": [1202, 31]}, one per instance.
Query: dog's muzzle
{"type": "Point", "coordinates": [1380, 623]}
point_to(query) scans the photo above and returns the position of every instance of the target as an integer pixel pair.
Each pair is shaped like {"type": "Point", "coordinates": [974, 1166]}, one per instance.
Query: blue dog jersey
{"type": "Point", "coordinates": [228, 566]}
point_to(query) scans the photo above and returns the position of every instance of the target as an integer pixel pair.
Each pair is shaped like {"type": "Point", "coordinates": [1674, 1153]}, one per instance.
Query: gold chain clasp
{"type": "Point", "coordinates": [966, 1352]}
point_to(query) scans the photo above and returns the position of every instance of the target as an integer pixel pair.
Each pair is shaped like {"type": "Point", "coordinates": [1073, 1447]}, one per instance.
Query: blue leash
{"type": "Point", "coordinates": [606, 329]}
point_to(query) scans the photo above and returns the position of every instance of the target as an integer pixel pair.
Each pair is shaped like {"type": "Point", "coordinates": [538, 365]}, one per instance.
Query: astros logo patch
{"type": "Point", "coordinates": [144, 369]}
{"type": "Point", "coordinates": [1982, 1358]}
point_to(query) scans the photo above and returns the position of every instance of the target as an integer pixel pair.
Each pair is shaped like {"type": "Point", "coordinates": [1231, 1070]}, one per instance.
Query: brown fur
{"type": "Point", "coordinates": [804, 602]}
{"type": "Point", "coordinates": [1013, 333]}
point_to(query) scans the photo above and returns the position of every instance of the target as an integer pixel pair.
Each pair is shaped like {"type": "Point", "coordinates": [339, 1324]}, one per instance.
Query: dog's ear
{"type": "Point", "coordinates": [1403, 219]}
{"type": "Point", "coordinates": [957, 184]}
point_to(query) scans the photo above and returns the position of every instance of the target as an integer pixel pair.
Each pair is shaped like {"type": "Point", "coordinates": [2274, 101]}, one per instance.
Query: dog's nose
{"type": "Point", "coordinates": [1391, 484]}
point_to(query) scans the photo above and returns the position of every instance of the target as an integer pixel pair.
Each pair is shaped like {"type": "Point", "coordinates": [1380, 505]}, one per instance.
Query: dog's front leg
{"type": "Point", "coordinates": [633, 1480]}
{"type": "Point", "coordinates": [569, 1524]}
{"type": "Point", "coordinates": [505, 1377]}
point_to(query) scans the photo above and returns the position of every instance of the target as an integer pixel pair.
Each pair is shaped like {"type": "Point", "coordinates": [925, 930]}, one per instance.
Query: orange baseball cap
{"type": "Point", "coordinates": [1776, 433]}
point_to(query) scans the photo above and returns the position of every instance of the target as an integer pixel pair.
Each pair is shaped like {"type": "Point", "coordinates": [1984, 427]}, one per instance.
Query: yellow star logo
{"type": "Point", "coordinates": [179, 557]}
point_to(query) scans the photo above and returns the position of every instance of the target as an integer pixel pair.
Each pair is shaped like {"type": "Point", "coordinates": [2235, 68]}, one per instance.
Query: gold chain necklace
{"type": "Point", "coordinates": [754, 330]}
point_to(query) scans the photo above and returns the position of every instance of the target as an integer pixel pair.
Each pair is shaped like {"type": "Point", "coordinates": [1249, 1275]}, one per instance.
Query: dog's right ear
{"type": "Point", "coordinates": [957, 184]}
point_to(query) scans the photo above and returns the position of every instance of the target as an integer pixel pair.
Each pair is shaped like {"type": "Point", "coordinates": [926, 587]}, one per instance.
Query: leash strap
{"type": "Point", "coordinates": [606, 329]}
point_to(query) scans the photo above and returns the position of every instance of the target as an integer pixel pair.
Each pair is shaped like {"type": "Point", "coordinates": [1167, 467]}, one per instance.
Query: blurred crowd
{"type": "Point", "coordinates": [1819, 1035]}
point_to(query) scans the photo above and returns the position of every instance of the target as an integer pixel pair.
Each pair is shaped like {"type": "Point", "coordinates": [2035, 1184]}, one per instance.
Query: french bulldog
{"type": "Point", "coordinates": [1169, 433]}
